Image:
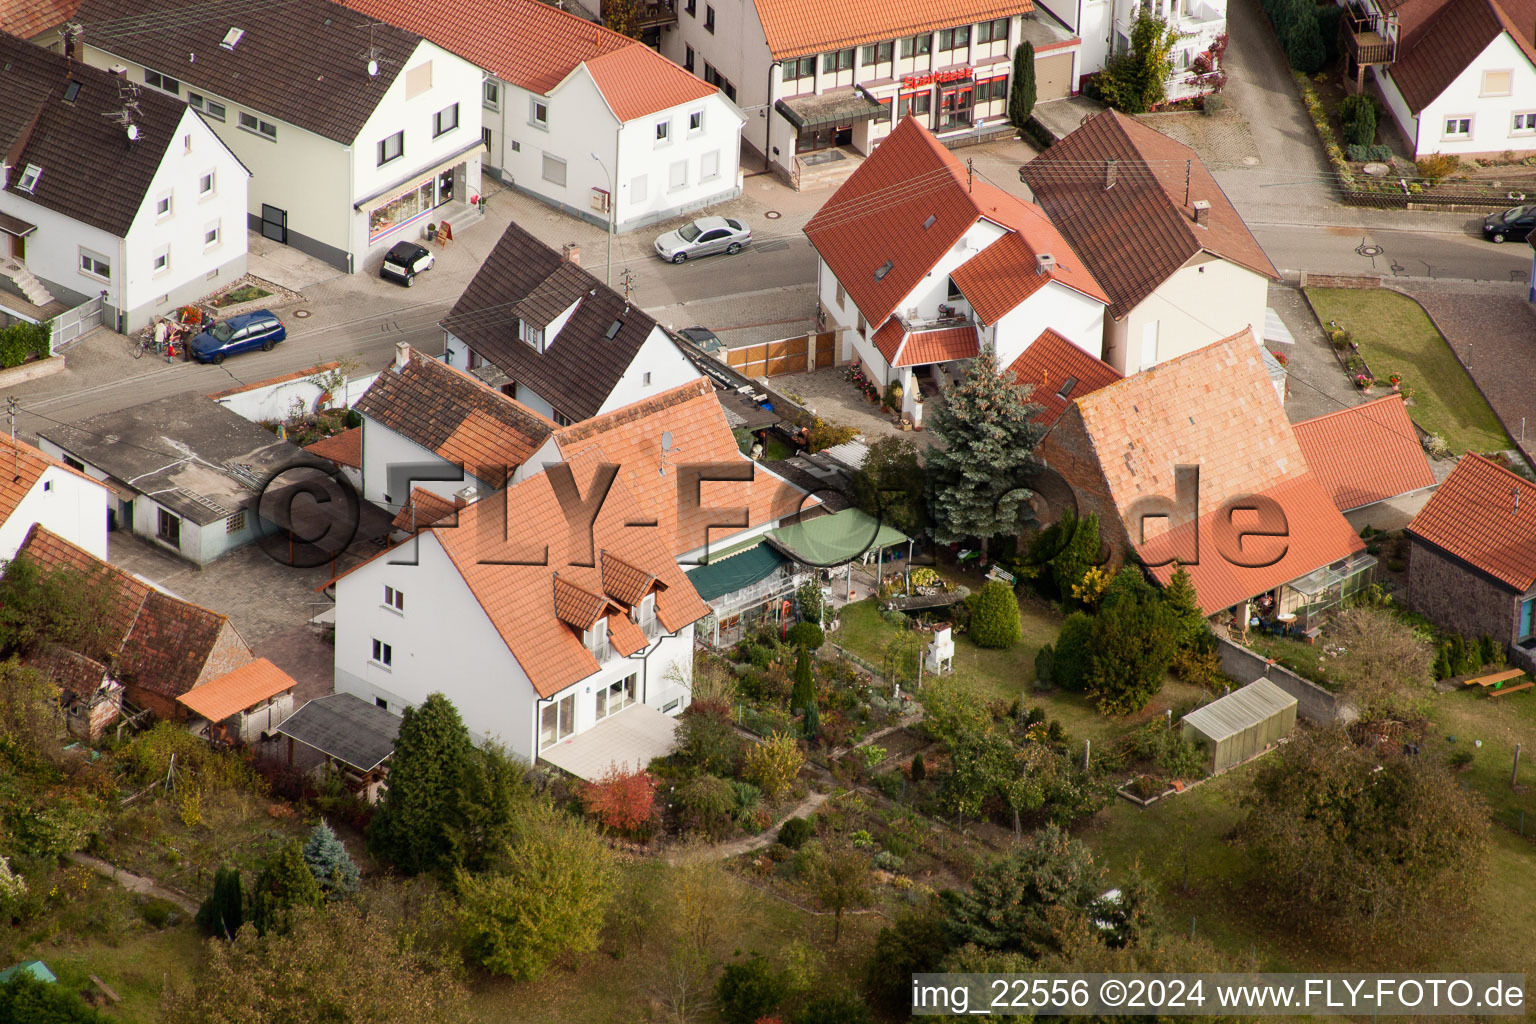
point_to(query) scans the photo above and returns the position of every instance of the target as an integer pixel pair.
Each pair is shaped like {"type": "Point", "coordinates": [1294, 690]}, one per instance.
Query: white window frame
{"type": "Point", "coordinates": [213, 235]}
{"type": "Point", "coordinates": [212, 108]}
{"type": "Point", "coordinates": [96, 260]}
{"type": "Point", "coordinates": [165, 83]}
{"type": "Point", "coordinates": [544, 167]}
{"type": "Point", "coordinates": [695, 122]}
{"type": "Point", "coordinates": [256, 126]}
{"type": "Point", "coordinates": [1529, 116]}
{"type": "Point", "coordinates": [165, 206]}
{"type": "Point", "coordinates": [29, 177]}
{"type": "Point", "coordinates": [394, 599]}
{"type": "Point", "coordinates": [212, 180]}
{"type": "Point", "coordinates": [490, 94]}
{"type": "Point", "coordinates": [645, 379]}
{"type": "Point", "coordinates": [383, 654]}
{"type": "Point", "coordinates": [160, 263]}
{"type": "Point", "coordinates": [1447, 121]}
{"type": "Point", "coordinates": [664, 132]}
{"type": "Point", "coordinates": [535, 105]}
{"type": "Point", "coordinates": [438, 131]}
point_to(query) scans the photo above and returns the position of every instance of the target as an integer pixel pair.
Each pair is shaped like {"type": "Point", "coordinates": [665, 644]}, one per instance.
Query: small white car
{"type": "Point", "coordinates": [704, 237]}
{"type": "Point", "coordinates": [404, 261]}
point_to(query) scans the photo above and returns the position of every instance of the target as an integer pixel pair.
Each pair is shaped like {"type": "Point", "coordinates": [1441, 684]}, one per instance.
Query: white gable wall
{"type": "Point", "coordinates": [1492, 116]}
{"type": "Point", "coordinates": [1207, 299]}
{"type": "Point", "coordinates": [384, 448]}
{"type": "Point", "coordinates": [647, 169]}
{"type": "Point", "coordinates": [1077, 317]}
{"type": "Point", "coordinates": [660, 357]}
{"type": "Point", "coordinates": [73, 508]}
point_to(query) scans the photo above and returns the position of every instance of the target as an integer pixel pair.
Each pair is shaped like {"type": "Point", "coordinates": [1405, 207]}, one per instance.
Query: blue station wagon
{"type": "Point", "coordinates": [261, 329]}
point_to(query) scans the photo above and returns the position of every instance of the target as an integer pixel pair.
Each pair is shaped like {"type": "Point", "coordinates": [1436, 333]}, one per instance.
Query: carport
{"type": "Point", "coordinates": [1242, 724]}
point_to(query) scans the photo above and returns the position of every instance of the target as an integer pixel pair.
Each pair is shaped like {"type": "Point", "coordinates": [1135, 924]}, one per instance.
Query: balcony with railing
{"type": "Point", "coordinates": [1366, 40]}
{"type": "Point", "coordinates": [954, 314]}
{"type": "Point", "coordinates": [656, 15]}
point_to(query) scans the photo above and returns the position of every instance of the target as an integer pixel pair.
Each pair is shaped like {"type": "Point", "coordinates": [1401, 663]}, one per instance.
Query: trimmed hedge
{"type": "Point", "coordinates": [995, 621]}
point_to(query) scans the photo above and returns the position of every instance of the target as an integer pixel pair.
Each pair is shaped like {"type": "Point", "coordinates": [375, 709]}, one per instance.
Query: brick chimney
{"type": "Point", "coordinates": [402, 354]}
{"type": "Point", "coordinates": [571, 253]}
{"type": "Point", "coordinates": [1203, 212]}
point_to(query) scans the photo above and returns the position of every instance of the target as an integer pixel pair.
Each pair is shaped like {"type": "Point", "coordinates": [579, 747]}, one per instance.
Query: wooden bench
{"type": "Point", "coordinates": [1001, 574]}
{"type": "Point", "coordinates": [1502, 690]}
{"type": "Point", "coordinates": [1494, 678]}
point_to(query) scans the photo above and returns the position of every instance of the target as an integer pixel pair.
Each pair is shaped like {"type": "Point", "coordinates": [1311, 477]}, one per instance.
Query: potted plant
{"type": "Point", "coordinates": [893, 396]}
{"type": "Point", "coordinates": [431, 232]}
{"type": "Point", "coordinates": [1396, 380]}
{"type": "Point", "coordinates": [1363, 382]}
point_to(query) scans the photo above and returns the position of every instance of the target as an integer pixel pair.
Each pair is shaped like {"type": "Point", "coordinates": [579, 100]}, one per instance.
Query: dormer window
{"type": "Point", "coordinates": [29, 178]}
{"type": "Point", "coordinates": [532, 335]}
{"type": "Point", "coordinates": [644, 616]}
{"type": "Point", "coordinates": [596, 640]}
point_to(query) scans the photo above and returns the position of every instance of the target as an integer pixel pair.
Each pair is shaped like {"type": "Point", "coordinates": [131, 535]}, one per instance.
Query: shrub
{"type": "Point", "coordinates": [708, 803]}
{"type": "Point", "coordinates": [223, 912]}
{"type": "Point", "coordinates": [1442, 662]}
{"type": "Point", "coordinates": [621, 799]}
{"type": "Point", "coordinates": [995, 622]}
{"type": "Point", "coordinates": [749, 990]}
{"type": "Point", "coordinates": [796, 831]}
{"type": "Point", "coordinates": [832, 1010]}
{"type": "Point", "coordinates": [1437, 166]}
{"type": "Point", "coordinates": [21, 340]}
{"type": "Point", "coordinates": [1368, 154]}
{"type": "Point", "coordinates": [1043, 666]}
{"type": "Point", "coordinates": [1490, 651]}
{"type": "Point", "coordinates": [707, 740]}
{"type": "Point", "coordinates": [1073, 657]}
{"type": "Point", "coordinates": [806, 634]}
{"type": "Point", "coordinates": [774, 764]}
{"type": "Point", "coordinates": [1357, 116]}
{"type": "Point", "coordinates": [919, 769]}
{"type": "Point", "coordinates": [809, 596]}
{"type": "Point", "coordinates": [885, 860]}
{"type": "Point", "coordinates": [329, 861]}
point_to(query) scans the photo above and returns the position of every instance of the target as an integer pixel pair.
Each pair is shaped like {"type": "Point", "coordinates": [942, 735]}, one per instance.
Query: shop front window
{"type": "Point", "coordinates": [403, 209]}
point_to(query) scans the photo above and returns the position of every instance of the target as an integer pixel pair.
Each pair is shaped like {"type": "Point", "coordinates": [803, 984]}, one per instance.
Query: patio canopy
{"type": "Point", "coordinates": [835, 539]}
{"type": "Point", "coordinates": [346, 727]}
{"type": "Point", "coordinates": [632, 738]}
{"type": "Point", "coordinates": [734, 568]}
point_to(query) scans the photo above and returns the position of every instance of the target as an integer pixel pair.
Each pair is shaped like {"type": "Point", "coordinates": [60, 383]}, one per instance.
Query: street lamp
{"type": "Point", "coordinates": [608, 279]}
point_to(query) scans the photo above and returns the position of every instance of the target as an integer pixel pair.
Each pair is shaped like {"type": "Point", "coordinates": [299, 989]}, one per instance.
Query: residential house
{"type": "Point", "coordinates": [106, 190]}
{"type": "Point", "coordinates": [1459, 76]}
{"type": "Point", "coordinates": [537, 326]}
{"type": "Point", "coordinates": [1105, 30]}
{"type": "Point", "coordinates": [536, 631]}
{"type": "Point", "coordinates": [155, 645]}
{"type": "Point", "coordinates": [185, 473]}
{"type": "Point", "coordinates": [243, 707]}
{"type": "Point", "coordinates": [345, 451]}
{"type": "Point", "coordinates": [835, 81]}
{"type": "Point", "coordinates": [678, 457]}
{"type": "Point", "coordinates": [1057, 373]}
{"type": "Point", "coordinates": [1189, 274]}
{"type": "Point", "coordinates": [1194, 461]}
{"type": "Point", "coordinates": [385, 125]}
{"type": "Point", "coordinates": [920, 265]}
{"type": "Point", "coordinates": [92, 700]}
{"type": "Point", "coordinates": [430, 425]}
{"type": "Point", "coordinates": [37, 488]}
{"type": "Point", "coordinates": [589, 121]}
{"type": "Point", "coordinates": [1472, 557]}
{"type": "Point", "coordinates": [1365, 455]}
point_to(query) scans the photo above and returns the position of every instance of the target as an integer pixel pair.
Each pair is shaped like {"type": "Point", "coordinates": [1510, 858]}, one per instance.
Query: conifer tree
{"type": "Point", "coordinates": [330, 862]}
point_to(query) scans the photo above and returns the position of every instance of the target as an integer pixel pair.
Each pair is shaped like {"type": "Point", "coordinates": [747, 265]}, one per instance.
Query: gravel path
{"type": "Point", "coordinates": [134, 883]}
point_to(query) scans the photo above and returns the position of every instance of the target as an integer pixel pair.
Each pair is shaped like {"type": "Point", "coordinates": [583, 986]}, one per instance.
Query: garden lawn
{"type": "Point", "coordinates": [1008, 674]}
{"type": "Point", "coordinates": [1497, 935]}
{"type": "Point", "coordinates": [1396, 336]}
{"type": "Point", "coordinates": [1500, 723]}
{"type": "Point", "coordinates": [137, 969]}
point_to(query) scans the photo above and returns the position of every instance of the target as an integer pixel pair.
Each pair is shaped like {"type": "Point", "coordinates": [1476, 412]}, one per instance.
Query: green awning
{"type": "Point", "coordinates": [835, 539]}
{"type": "Point", "coordinates": [735, 568]}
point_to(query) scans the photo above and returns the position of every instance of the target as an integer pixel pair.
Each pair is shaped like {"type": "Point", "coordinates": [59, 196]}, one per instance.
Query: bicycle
{"type": "Point", "coordinates": [151, 344]}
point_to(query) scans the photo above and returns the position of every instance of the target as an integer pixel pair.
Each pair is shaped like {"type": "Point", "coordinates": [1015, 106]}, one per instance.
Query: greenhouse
{"type": "Point", "coordinates": [1242, 724]}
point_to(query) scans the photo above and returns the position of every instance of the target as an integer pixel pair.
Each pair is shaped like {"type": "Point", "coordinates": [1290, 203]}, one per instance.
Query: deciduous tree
{"type": "Point", "coordinates": [839, 879]}
{"type": "Point", "coordinates": [889, 486]}
{"type": "Point", "coordinates": [988, 434]}
{"type": "Point", "coordinates": [773, 764]}
{"type": "Point", "coordinates": [620, 798]}
{"type": "Point", "coordinates": [1137, 80]}
{"type": "Point", "coordinates": [1384, 667]}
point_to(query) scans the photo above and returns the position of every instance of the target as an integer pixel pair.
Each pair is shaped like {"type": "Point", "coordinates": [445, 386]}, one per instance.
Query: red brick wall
{"type": "Point", "coordinates": [229, 652]}
{"type": "Point", "coordinates": [1068, 451]}
{"type": "Point", "coordinates": [1457, 598]}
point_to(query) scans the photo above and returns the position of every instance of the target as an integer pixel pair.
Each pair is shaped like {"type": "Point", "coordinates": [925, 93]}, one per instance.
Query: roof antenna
{"type": "Point", "coordinates": [1515, 490]}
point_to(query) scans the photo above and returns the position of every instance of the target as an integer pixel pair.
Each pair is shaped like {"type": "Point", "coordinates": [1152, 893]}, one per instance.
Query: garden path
{"type": "Point", "coordinates": [134, 883]}
{"type": "Point", "coordinates": [767, 838]}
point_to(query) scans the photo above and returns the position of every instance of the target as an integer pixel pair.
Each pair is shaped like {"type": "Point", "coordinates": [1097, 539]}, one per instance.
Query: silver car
{"type": "Point", "coordinates": [704, 237]}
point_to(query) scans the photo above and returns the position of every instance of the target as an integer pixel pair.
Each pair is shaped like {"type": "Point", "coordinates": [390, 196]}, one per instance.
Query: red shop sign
{"type": "Point", "coordinates": [952, 75]}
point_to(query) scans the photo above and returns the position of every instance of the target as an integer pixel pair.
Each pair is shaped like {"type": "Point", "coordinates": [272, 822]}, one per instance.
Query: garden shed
{"type": "Point", "coordinates": [1242, 724]}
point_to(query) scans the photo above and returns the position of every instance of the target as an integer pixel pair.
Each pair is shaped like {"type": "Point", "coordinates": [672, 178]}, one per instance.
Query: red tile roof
{"type": "Point", "coordinates": [794, 29]}
{"type": "Point", "coordinates": [231, 694]}
{"type": "Point", "coordinates": [1048, 363]}
{"type": "Point", "coordinates": [424, 509]}
{"type": "Point", "coordinates": [630, 438]}
{"type": "Point", "coordinates": [877, 216]}
{"type": "Point", "coordinates": [1486, 516]}
{"type": "Point", "coordinates": [30, 18]}
{"type": "Point", "coordinates": [636, 81]}
{"type": "Point", "coordinates": [1214, 408]}
{"type": "Point", "coordinates": [155, 641]}
{"type": "Point", "coordinates": [888, 339]}
{"type": "Point", "coordinates": [1136, 233]}
{"type": "Point", "coordinates": [623, 582]}
{"type": "Point", "coordinates": [1441, 40]}
{"type": "Point", "coordinates": [518, 594]}
{"type": "Point", "coordinates": [344, 449]}
{"type": "Point", "coordinates": [1005, 273]}
{"type": "Point", "coordinates": [536, 46]}
{"type": "Point", "coordinates": [938, 346]}
{"type": "Point", "coordinates": [1365, 454]}
{"type": "Point", "coordinates": [577, 607]}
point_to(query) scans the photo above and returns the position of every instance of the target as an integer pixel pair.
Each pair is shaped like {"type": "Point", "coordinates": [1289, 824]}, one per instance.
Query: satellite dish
{"type": "Point", "coordinates": [373, 69]}
{"type": "Point", "coordinates": [666, 440]}
{"type": "Point", "coordinates": [133, 133]}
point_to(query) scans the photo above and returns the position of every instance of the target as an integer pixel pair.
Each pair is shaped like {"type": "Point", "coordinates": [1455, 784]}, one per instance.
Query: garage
{"type": "Point", "coordinates": [1053, 76]}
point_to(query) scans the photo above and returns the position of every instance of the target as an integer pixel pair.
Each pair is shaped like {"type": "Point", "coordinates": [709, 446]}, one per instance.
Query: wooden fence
{"type": "Point", "coordinates": [787, 355]}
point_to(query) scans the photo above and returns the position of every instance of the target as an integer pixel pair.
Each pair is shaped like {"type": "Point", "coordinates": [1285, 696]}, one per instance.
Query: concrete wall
{"type": "Point", "coordinates": [1313, 703]}
{"type": "Point", "coordinates": [1492, 116]}
{"type": "Point", "coordinates": [67, 505]}
{"type": "Point", "coordinates": [1207, 299]}
{"type": "Point", "coordinates": [1458, 598]}
{"type": "Point", "coordinates": [274, 401]}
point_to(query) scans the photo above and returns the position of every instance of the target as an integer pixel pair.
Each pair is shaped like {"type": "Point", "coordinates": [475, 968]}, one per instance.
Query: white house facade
{"type": "Point", "coordinates": [1206, 299]}
{"type": "Point", "coordinates": [43, 491]}
{"type": "Point", "coordinates": [385, 125]}
{"type": "Point", "coordinates": [137, 202]}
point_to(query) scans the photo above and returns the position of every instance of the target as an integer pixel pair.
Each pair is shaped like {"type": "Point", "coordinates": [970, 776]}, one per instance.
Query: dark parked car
{"type": "Point", "coordinates": [261, 329]}
{"type": "Point", "coordinates": [1513, 225]}
{"type": "Point", "coordinates": [404, 261]}
{"type": "Point", "coordinates": [705, 338]}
